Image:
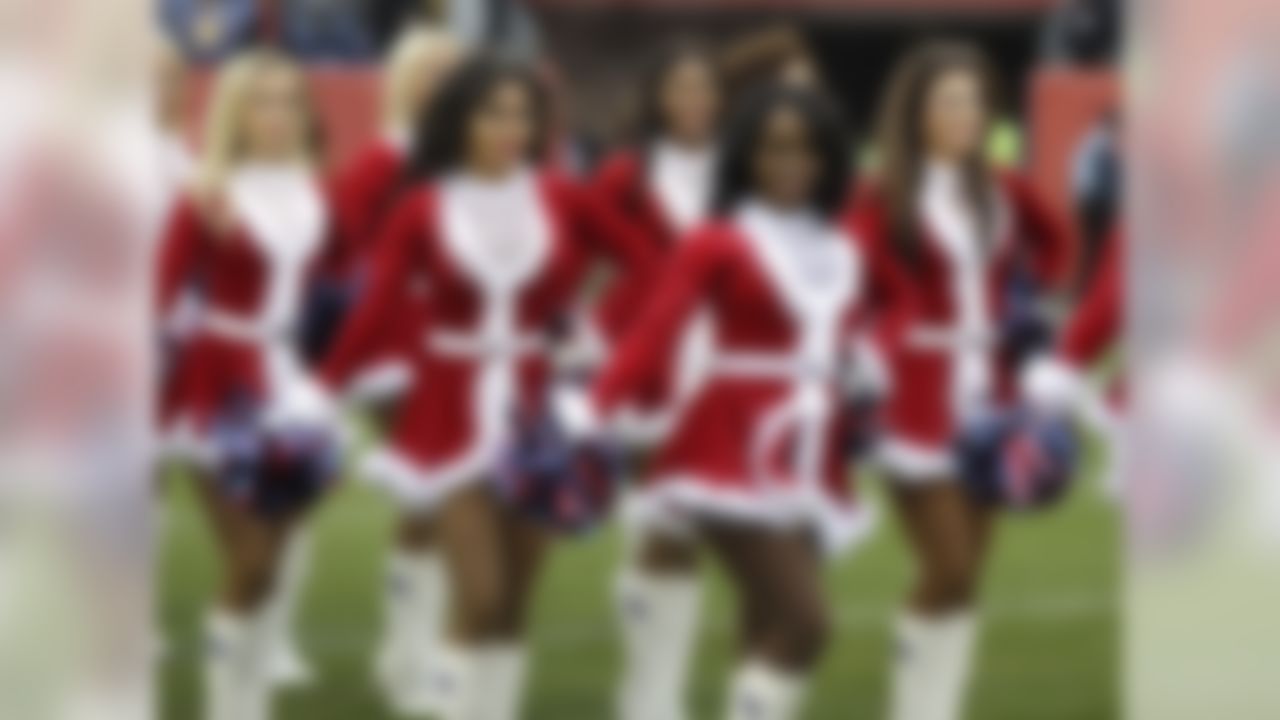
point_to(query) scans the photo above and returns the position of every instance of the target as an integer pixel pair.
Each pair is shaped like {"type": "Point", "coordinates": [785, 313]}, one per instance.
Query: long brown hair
{"type": "Point", "coordinates": [901, 141]}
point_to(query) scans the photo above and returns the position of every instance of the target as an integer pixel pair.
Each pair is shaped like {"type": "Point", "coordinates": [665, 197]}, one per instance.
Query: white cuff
{"type": "Point", "coordinates": [573, 410]}
{"type": "Point", "coordinates": [869, 374]}
{"type": "Point", "coordinates": [1050, 385]}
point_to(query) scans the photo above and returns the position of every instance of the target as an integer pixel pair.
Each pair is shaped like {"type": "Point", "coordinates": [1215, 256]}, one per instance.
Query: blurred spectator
{"type": "Point", "coordinates": [327, 30]}
{"type": "Point", "coordinates": [1096, 184]}
{"type": "Point", "coordinates": [778, 54]}
{"type": "Point", "coordinates": [1085, 32]}
{"type": "Point", "coordinates": [503, 24]}
{"type": "Point", "coordinates": [209, 30]}
{"type": "Point", "coordinates": [386, 18]}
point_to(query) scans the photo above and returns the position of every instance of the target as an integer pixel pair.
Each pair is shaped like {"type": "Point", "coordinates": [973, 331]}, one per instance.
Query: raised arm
{"type": "Point", "coordinates": [1096, 324]}
{"type": "Point", "coordinates": [397, 255]}
{"type": "Point", "coordinates": [1046, 234]}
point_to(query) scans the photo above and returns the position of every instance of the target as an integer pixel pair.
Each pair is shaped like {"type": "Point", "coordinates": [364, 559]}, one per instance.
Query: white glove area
{"type": "Point", "coordinates": [573, 410]}
{"type": "Point", "coordinates": [869, 374]}
{"type": "Point", "coordinates": [302, 402]}
{"type": "Point", "coordinates": [1050, 385]}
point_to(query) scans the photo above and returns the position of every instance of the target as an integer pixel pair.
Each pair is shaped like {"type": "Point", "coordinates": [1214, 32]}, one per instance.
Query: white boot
{"type": "Point", "coordinates": [504, 676]}
{"type": "Point", "coordinates": [415, 616]}
{"type": "Point", "coordinates": [480, 683]}
{"type": "Point", "coordinates": [236, 682]}
{"type": "Point", "coordinates": [659, 618]}
{"type": "Point", "coordinates": [934, 659]}
{"type": "Point", "coordinates": [286, 665]}
{"type": "Point", "coordinates": [761, 692]}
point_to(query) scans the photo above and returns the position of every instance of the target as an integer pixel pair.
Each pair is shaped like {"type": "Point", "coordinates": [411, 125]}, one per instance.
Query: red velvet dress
{"type": "Point", "coordinates": [231, 305]}
{"type": "Point", "coordinates": [626, 186]}
{"type": "Point", "coordinates": [759, 440]}
{"type": "Point", "coordinates": [499, 274]}
{"type": "Point", "coordinates": [939, 357]}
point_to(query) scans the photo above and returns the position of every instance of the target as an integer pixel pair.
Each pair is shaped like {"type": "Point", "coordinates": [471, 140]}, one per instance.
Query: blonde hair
{"type": "Point", "coordinates": [223, 142]}
{"type": "Point", "coordinates": [415, 45]}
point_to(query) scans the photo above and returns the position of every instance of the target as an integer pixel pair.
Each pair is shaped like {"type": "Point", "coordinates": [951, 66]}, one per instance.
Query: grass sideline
{"type": "Point", "coordinates": [1049, 647]}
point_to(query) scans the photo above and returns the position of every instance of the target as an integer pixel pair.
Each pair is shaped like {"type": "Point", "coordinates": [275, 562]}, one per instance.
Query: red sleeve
{"type": "Point", "coordinates": [180, 253]}
{"type": "Point", "coordinates": [1097, 322]}
{"type": "Point", "coordinates": [342, 244]}
{"type": "Point", "coordinates": [889, 305]}
{"type": "Point", "coordinates": [363, 192]}
{"type": "Point", "coordinates": [652, 343]}
{"type": "Point", "coordinates": [1044, 232]}
{"type": "Point", "coordinates": [608, 233]}
{"type": "Point", "coordinates": [396, 257]}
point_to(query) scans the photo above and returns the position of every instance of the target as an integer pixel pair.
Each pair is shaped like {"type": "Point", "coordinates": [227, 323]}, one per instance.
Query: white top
{"type": "Point", "coordinates": [682, 181]}
{"type": "Point", "coordinates": [280, 205]}
{"type": "Point", "coordinates": [957, 233]}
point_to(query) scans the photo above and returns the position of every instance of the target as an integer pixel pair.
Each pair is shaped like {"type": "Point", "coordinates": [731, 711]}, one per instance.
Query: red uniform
{"type": "Point", "coordinates": [645, 191]}
{"type": "Point", "coordinates": [1097, 323]}
{"type": "Point", "coordinates": [501, 264]}
{"type": "Point", "coordinates": [235, 301]}
{"type": "Point", "coordinates": [758, 440]}
{"type": "Point", "coordinates": [949, 360]}
{"type": "Point", "coordinates": [366, 193]}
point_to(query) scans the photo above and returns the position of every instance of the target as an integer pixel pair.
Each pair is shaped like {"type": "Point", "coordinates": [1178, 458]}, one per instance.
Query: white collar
{"type": "Point", "coordinates": [496, 229]}
{"type": "Point", "coordinates": [681, 177]}
{"type": "Point", "coordinates": [778, 225]}
{"type": "Point", "coordinates": [811, 264]}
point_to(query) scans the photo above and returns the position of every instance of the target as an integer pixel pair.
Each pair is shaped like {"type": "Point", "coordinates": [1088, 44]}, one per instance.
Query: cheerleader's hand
{"type": "Point", "coordinates": [869, 375]}
{"type": "Point", "coordinates": [1049, 385]}
{"type": "Point", "coordinates": [183, 320]}
{"type": "Point", "coordinates": [304, 402]}
{"type": "Point", "coordinates": [571, 406]}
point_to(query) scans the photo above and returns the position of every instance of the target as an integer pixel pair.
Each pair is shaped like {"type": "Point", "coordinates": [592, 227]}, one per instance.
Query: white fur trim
{"type": "Point", "coordinates": [911, 463]}
{"type": "Point", "coordinates": [418, 489]}
{"type": "Point", "coordinates": [382, 381]}
{"type": "Point", "coordinates": [870, 375]}
{"type": "Point", "coordinates": [180, 442]}
{"type": "Point", "coordinates": [681, 179]}
{"type": "Point", "coordinates": [1051, 385]}
{"type": "Point", "coordinates": [673, 500]}
{"type": "Point", "coordinates": [956, 235]}
{"type": "Point", "coordinates": [574, 411]}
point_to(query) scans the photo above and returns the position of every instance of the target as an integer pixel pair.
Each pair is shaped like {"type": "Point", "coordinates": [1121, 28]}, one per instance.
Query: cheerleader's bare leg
{"type": "Point", "coordinates": [238, 684]}
{"type": "Point", "coordinates": [949, 535]}
{"type": "Point", "coordinates": [493, 558]}
{"type": "Point", "coordinates": [785, 618]}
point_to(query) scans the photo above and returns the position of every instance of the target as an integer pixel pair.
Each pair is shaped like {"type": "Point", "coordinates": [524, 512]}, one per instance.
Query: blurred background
{"type": "Point", "coordinates": [1052, 612]}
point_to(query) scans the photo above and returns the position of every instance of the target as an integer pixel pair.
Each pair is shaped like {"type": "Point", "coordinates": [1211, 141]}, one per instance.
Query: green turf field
{"type": "Point", "coordinates": [1049, 648]}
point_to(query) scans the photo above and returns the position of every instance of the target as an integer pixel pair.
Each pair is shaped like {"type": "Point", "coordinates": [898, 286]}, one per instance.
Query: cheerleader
{"type": "Point", "coordinates": [241, 409]}
{"type": "Point", "coordinates": [501, 249]}
{"type": "Point", "coordinates": [753, 467]}
{"type": "Point", "coordinates": [962, 233]}
{"type": "Point", "coordinates": [662, 186]}
{"type": "Point", "coordinates": [367, 189]}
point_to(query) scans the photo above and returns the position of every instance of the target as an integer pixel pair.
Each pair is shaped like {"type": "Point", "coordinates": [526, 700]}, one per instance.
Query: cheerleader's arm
{"type": "Point", "coordinates": [181, 250]}
{"type": "Point", "coordinates": [652, 342]}
{"type": "Point", "coordinates": [1096, 324]}
{"type": "Point", "coordinates": [609, 235]}
{"type": "Point", "coordinates": [1052, 244]}
{"type": "Point", "coordinates": [394, 261]}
